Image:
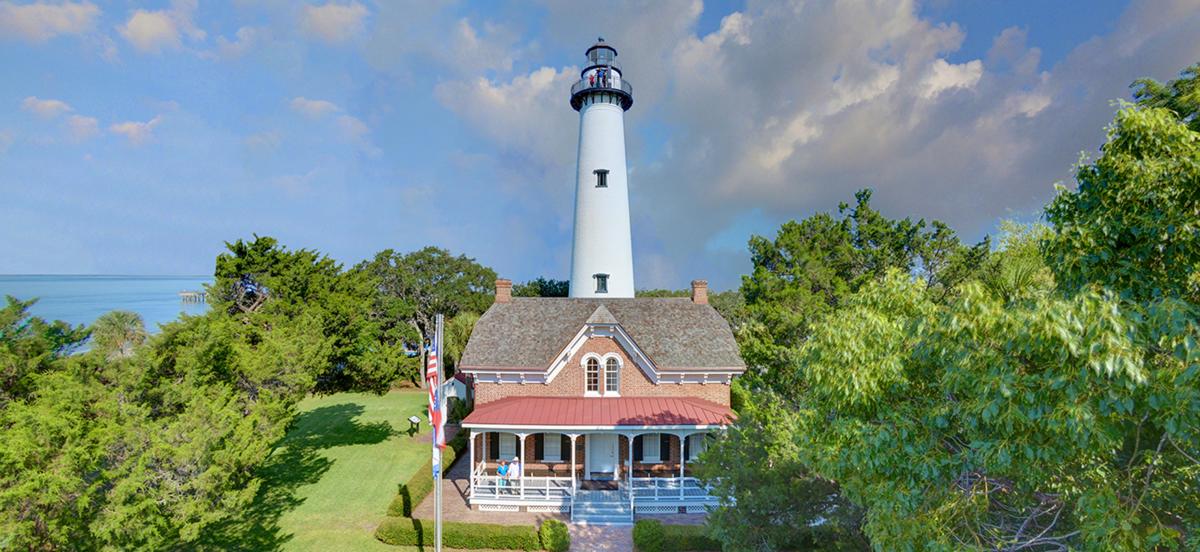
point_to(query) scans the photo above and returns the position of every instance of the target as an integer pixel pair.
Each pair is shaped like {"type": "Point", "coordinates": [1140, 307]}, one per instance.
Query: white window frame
{"type": "Point", "coordinates": [656, 458]}
{"type": "Point", "coordinates": [697, 445]}
{"type": "Point", "coordinates": [555, 438]}
{"type": "Point", "coordinates": [511, 441]}
{"type": "Point", "coordinates": [611, 358]}
{"type": "Point", "coordinates": [583, 363]}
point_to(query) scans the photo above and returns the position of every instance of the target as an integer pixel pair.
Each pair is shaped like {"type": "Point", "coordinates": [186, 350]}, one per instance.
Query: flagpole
{"type": "Point", "coordinates": [441, 405]}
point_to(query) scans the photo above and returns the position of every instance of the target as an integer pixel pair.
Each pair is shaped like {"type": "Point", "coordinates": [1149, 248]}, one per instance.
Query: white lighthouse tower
{"type": "Point", "coordinates": [602, 254]}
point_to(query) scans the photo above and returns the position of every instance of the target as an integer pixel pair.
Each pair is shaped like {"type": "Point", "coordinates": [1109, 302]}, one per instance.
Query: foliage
{"type": "Point", "coordinates": [542, 287]}
{"type": "Point", "coordinates": [769, 497]}
{"type": "Point", "coordinates": [457, 333]}
{"type": "Point", "coordinates": [117, 333]}
{"type": "Point", "coordinates": [1180, 96]}
{"type": "Point", "coordinates": [30, 346]}
{"type": "Point", "coordinates": [1133, 223]}
{"type": "Point", "coordinates": [421, 484]}
{"type": "Point", "coordinates": [554, 536]}
{"type": "Point", "coordinates": [984, 424]}
{"type": "Point", "coordinates": [468, 536]}
{"type": "Point", "coordinates": [648, 536]}
{"type": "Point", "coordinates": [654, 536]}
{"type": "Point", "coordinates": [811, 266]}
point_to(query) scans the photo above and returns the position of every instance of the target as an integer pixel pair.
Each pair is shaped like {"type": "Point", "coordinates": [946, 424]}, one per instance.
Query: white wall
{"type": "Point", "coordinates": [602, 236]}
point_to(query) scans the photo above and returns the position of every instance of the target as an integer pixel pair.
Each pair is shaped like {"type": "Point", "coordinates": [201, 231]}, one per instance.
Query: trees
{"type": "Point", "coordinates": [1045, 398]}
{"type": "Point", "coordinates": [407, 290]}
{"type": "Point", "coordinates": [542, 287]}
{"type": "Point", "coordinates": [118, 332]}
{"type": "Point", "coordinates": [1133, 223]}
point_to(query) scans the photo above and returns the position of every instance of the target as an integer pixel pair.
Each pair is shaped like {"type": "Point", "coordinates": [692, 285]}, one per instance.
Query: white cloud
{"type": "Point", "coordinates": [38, 22]}
{"type": "Point", "coordinates": [263, 141]}
{"type": "Point", "coordinates": [45, 108]}
{"type": "Point", "coordinates": [313, 108]}
{"type": "Point", "coordinates": [358, 133]}
{"type": "Point", "coordinates": [334, 22]}
{"type": "Point", "coordinates": [156, 31]}
{"type": "Point", "coordinates": [137, 132]}
{"type": "Point", "coordinates": [151, 31]}
{"type": "Point", "coordinates": [947, 76]}
{"type": "Point", "coordinates": [81, 128]}
{"type": "Point", "coordinates": [244, 40]}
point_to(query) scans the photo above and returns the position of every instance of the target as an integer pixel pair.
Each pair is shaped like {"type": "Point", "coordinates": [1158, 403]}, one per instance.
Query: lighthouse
{"type": "Point", "coordinates": [602, 251]}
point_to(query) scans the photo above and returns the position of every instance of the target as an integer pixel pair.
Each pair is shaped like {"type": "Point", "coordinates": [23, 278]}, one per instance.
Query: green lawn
{"type": "Point", "coordinates": [328, 484]}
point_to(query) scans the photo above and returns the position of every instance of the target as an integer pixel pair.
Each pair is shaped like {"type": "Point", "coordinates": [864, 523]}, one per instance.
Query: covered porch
{"type": "Point", "coordinates": [612, 470]}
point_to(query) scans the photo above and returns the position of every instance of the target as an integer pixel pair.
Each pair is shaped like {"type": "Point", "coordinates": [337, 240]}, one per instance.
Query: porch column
{"type": "Point", "coordinates": [682, 438]}
{"type": "Point", "coordinates": [521, 474]}
{"type": "Point", "coordinates": [574, 485]}
{"type": "Point", "coordinates": [629, 470]}
{"type": "Point", "coordinates": [471, 465]}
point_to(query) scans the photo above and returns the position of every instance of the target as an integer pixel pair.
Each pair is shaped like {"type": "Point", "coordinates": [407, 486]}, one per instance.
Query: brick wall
{"type": "Point", "coordinates": [570, 381]}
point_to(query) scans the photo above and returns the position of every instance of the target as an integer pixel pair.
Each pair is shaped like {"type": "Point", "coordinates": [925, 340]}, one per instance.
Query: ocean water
{"type": "Point", "coordinates": [82, 299]}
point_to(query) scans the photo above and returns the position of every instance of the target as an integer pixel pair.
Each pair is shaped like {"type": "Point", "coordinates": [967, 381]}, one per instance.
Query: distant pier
{"type": "Point", "coordinates": [193, 296]}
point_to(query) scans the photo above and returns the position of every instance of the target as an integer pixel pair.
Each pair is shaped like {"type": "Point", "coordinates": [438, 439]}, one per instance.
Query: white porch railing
{"type": "Point", "coordinates": [661, 489]}
{"type": "Point", "coordinates": [533, 489]}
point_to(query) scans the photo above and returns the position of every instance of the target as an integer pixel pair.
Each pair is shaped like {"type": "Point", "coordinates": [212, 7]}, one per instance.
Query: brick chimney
{"type": "Point", "coordinates": [503, 290]}
{"type": "Point", "coordinates": [700, 292]}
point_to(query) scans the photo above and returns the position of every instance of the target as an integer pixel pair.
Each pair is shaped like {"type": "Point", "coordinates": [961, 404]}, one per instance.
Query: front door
{"type": "Point", "coordinates": [601, 456]}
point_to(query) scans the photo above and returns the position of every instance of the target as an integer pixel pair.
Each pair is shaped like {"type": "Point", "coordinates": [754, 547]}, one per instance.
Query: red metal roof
{"type": "Point", "coordinates": [599, 412]}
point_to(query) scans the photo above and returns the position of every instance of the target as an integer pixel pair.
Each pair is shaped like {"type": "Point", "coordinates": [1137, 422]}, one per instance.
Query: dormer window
{"type": "Point", "coordinates": [601, 283]}
{"type": "Point", "coordinates": [593, 375]}
{"type": "Point", "coordinates": [601, 178]}
{"type": "Point", "coordinates": [612, 376]}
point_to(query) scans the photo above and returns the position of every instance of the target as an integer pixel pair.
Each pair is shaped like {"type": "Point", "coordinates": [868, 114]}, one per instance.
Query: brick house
{"type": "Point", "coordinates": [603, 401]}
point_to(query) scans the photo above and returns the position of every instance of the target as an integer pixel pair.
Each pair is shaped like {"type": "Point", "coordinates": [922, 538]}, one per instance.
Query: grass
{"type": "Point", "coordinates": [330, 480]}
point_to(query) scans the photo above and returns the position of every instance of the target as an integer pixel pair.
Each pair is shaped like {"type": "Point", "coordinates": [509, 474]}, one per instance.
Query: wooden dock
{"type": "Point", "coordinates": [193, 296]}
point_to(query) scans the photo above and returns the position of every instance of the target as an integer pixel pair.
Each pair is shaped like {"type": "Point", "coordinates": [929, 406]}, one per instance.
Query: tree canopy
{"type": "Point", "coordinates": [1044, 396]}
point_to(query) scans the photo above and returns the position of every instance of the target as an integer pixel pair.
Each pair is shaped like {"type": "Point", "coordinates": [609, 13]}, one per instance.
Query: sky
{"type": "Point", "coordinates": [136, 138]}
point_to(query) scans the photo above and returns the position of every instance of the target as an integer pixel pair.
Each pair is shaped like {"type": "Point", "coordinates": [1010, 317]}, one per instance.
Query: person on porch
{"type": "Point", "coordinates": [514, 472]}
{"type": "Point", "coordinates": [501, 476]}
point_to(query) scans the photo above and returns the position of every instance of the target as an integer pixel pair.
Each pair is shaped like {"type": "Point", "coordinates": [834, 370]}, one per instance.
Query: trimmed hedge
{"type": "Point", "coordinates": [650, 535]}
{"type": "Point", "coordinates": [555, 536]}
{"type": "Point", "coordinates": [416, 489]}
{"type": "Point", "coordinates": [419, 532]}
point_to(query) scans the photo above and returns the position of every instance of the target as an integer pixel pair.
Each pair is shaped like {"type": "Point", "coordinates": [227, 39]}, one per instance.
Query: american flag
{"type": "Point", "coordinates": [435, 399]}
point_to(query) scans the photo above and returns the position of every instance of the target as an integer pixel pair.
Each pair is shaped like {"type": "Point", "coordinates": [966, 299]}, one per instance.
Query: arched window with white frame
{"type": "Point", "coordinates": [593, 375]}
{"type": "Point", "coordinates": [612, 375]}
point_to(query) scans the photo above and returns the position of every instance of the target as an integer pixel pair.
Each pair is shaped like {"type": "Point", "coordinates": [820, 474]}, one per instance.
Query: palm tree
{"type": "Point", "coordinates": [118, 333]}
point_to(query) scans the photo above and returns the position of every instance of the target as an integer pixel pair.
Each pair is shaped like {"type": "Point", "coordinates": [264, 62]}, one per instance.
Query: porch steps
{"type": "Point", "coordinates": [601, 508]}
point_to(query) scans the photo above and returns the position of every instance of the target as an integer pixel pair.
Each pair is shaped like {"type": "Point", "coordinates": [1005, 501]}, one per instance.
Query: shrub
{"type": "Point", "coordinates": [688, 537]}
{"type": "Point", "coordinates": [651, 535]}
{"type": "Point", "coordinates": [555, 536]}
{"type": "Point", "coordinates": [421, 484]}
{"type": "Point", "coordinates": [648, 536]}
{"type": "Point", "coordinates": [469, 536]}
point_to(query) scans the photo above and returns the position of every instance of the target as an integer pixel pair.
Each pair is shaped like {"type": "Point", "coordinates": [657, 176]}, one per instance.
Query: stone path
{"type": "Point", "coordinates": [601, 538]}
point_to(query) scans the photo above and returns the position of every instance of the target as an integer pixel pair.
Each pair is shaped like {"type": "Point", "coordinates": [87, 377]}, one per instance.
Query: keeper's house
{"type": "Point", "coordinates": [604, 401]}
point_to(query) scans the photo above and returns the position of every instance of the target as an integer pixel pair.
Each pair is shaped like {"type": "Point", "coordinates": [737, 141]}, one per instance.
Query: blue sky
{"type": "Point", "coordinates": [136, 138]}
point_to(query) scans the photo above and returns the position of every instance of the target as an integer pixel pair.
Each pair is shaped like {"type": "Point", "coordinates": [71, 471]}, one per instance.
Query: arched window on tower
{"type": "Point", "coordinates": [601, 178]}
{"type": "Point", "coordinates": [612, 376]}
{"type": "Point", "coordinates": [593, 375]}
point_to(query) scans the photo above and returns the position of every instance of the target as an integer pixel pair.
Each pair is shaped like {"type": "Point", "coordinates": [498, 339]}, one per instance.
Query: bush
{"type": "Point", "coordinates": [648, 536]}
{"type": "Point", "coordinates": [555, 536]}
{"type": "Point", "coordinates": [652, 536]}
{"type": "Point", "coordinates": [471, 536]}
{"type": "Point", "coordinates": [421, 484]}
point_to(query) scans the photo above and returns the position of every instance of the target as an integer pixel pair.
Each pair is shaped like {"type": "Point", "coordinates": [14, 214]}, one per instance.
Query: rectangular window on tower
{"type": "Point", "coordinates": [601, 283]}
{"type": "Point", "coordinates": [601, 178]}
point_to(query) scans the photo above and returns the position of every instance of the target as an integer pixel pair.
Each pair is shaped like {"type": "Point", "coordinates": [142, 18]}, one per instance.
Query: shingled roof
{"type": "Point", "coordinates": [528, 332]}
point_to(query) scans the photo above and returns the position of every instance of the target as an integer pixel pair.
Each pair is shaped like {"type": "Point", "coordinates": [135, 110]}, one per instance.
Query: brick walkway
{"type": "Point", "coordinates": [602, 538]}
